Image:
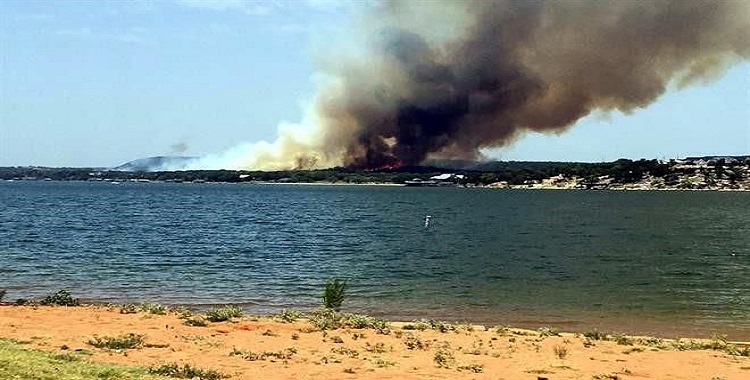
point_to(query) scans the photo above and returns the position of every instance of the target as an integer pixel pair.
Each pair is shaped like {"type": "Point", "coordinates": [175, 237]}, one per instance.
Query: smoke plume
{"type": "Point", "coordinates": [448, 78]}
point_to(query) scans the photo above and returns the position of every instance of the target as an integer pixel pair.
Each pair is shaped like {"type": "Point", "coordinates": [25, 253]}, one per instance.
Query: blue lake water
{"type": "Point", "coordinates": [668, 263]}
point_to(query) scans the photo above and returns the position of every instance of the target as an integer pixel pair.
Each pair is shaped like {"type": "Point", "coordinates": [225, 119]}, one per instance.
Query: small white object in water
{"type": "Point", "coordinates": [427, 220]}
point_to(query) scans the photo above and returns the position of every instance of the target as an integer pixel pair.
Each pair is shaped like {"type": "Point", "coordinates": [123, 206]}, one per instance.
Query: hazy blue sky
{"type": "Point", "coordinates": [100, 83]}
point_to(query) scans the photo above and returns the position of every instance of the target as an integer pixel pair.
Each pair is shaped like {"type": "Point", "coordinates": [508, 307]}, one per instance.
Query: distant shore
{"type": "Point", "coordinates": [716, 173]}
{"type": "Point", "coordinates": [249, 347]}
{"type": "Point", "coordinates": [525, 187]}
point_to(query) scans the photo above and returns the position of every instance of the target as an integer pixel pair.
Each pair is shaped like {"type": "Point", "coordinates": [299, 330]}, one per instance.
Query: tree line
{"type": "Point", "coordinates": [512, 172]}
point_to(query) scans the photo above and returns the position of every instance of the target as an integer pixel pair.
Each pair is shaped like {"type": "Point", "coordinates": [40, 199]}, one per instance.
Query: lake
{"type": "Point", "coordinates": [665, 263]}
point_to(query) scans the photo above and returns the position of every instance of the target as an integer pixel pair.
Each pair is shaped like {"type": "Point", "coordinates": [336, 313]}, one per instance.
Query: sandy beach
{"type": "Point", "coordinates": [265, 348]}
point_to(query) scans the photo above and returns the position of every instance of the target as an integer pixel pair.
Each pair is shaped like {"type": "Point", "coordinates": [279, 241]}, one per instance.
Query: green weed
{"type": "Point", "coordinates": [561, 351]}
{"type": "Point", "coordinates": [377, 348]}
{"type": "Point", "coordinates": [412, 342]}
{"type": "Point", "coordinates": [195, 321]}
{"type": "Point", "coordinates": [345, 351]}
{"type": "Point", "coordinates": [325, 319]}
{"type": "Point", "coordinates": [359, 321]}
{"type": "Point", "coordinates": [383, 363]}
{"type": "Point", "coordinates": [153, 308]}
{"type": "Point", "coordinates": [284, 354]}
{"type": "Point", "coordinates": [421, 326]}
{"type": "Point", "coordinates": [225, 313]}
{"type": "Point", "coordinates": [288, 316]}
{"type": "Point", "coordinates": [595, 335]}
{"type": "Point", "coordinates": [333, 296]}
{"type": "Point", "coordinates": [548, 331]}
{"type": "Point", "coordinates": [623, 340]}
{"type": "Point", "coordinates": [443, 357]}
{"type": "Point", "coordinates": [186, 371]}
{"type": "Point", "coordinates": [269, 333]}
{"type": "Point", "coordinates": [122, 342]}
{"type": "Point", "coordinates": [476, 368]}
{"type": "Point", "coordinates": [61, 298]}
{"type": "Point", "coordinates": [128, 309]}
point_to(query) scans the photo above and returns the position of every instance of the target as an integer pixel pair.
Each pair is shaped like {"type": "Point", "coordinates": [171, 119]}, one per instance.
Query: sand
{"type": "Point", "coordinates": [357, 353]}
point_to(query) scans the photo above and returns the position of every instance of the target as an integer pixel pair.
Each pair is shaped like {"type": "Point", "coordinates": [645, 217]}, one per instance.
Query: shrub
{"type": "Point", "coordinates": [153, 308]}
{"type": "Point", "coordinates": [359, 321]}
{"type": "Point", "coordinates": [412, 342]}
{"type": "Point", "coordinates": [61, 298]}
{"type": "Point", "coordinates": [333, 296]}
{"type": "Point", "coordinates": [195, 321]}
{"type": "Point", "coordinates": [269, 333]}
{"type": "Point", "coordinates": [378, 348]}
{"type": "Point", "coordinates": [561, 351]}
{"type": "Point", "coordinates": [442, 326]}
{"type": "Point", "coordinates": [186, 372]}
{"type": "Point", "coordinates": [284, 354]}
{"type": "Point", "coordinates": [476, 368]}
{"type": "Point", "coordinates": [623, 340]}
{"type": "Point", "coordinates": [595, 335]}
{"type": "Point", "coordinates": [444, 357]}
{"type": "Point", "coordinates": [288, 316]}
{"type": "Point", "coordinates": [325, 319]}
{"type": "Point", "coordinates": [128, 309]}
{"type": "Point", "coordinates": [345, 351]}
{"type": "Point", "coordinates": [383, 363]}
{"type": "Point", "coordinates": [224, 313]}
{"type": "Point", "coordinates": [421, 326]}
{"type": "Point", "coordinates": [548, 331]}
{"type": "Point", "coordinates": [121, 342]}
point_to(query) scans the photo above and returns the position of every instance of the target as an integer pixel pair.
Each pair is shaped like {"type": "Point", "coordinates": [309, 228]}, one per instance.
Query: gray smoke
{"type": "Point", "coordinates": [448, 78]}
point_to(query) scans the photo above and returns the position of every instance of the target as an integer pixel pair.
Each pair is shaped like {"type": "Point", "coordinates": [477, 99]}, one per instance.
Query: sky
{"type": "Point", "coordinates": [100, 83]}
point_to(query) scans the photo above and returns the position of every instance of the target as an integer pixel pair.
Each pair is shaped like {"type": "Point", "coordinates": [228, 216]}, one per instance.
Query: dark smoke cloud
{"type": "Point", "coordinates": [446, 79]}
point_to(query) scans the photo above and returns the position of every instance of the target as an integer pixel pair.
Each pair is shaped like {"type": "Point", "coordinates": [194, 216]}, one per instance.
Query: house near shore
{"type": "Point", "coordinates": [446, 179]}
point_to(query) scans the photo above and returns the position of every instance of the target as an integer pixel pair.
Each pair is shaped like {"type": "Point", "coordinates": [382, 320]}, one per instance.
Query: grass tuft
{"type": "Point", "coordinates": [352, 353]}
{"type": "Point", "coordinates": [383, 363]}
{"type": "Point", "coordinates": [326, 319]}
{"type": "Point", "coordinates": [284, 354]}
{"type": "Point", "coordinates": [186, 371]}
{"type": "Point", "coordinates": [443, 357]}
{"type": "Point", "coordinates": [377, 348]}
{"type": "Point", "coordinates": [476, 368]}
{"type": "Point", "coordinates": [225, 313]}
{"type": "Point", "coordinates": [288, 316]}
{"type": "Point", "coordinates": [122, 342]}
{"type": "Point", "coordinates": [561, 351]}
{"type": "Point", "coordinates": [415, 343]}
{"type": "Point", "coordinates": [548, 331]}
{"type": "Point", "coordinates": [595, 335]}
{"type": "Point", "coordinates": [153, 308]}
{"type": "Point", "coordinates": [195, 321]}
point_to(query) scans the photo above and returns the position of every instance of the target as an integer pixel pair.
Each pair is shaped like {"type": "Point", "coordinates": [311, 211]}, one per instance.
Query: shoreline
{"type": "Point", "coordinates": [632, 325]}
{"type": "Point", "coordinates": [531, 187]}
{"type": "Point", "coordinates": [247, 347]}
